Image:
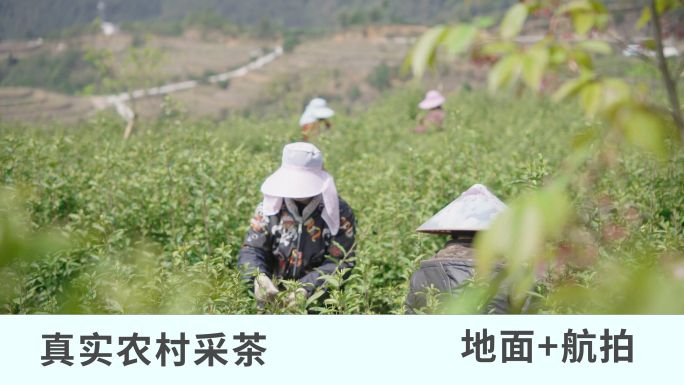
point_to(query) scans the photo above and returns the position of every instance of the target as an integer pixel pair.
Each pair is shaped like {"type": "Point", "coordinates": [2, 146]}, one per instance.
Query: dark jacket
{"type": "Point", "coordinates": [449, 271]}
{"type": "Point", "coordinates": [272, 242]}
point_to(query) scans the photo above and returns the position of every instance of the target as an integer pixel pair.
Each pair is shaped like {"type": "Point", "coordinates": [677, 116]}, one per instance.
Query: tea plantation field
{"type": "Point", "coordinates": [153, 225]}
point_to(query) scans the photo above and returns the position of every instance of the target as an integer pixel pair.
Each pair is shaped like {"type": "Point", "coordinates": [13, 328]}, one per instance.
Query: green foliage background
{"type": "Point", "coordinates": [66, 72]}
{"type": "Point", "coordinates": [154, 225]}
{"type": "Point", "coordinates": [18, 18]}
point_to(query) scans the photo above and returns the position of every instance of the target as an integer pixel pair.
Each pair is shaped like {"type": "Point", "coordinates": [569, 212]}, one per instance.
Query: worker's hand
{"type": "Point", "coordinates": [290, 299]}
{"type": "Point", "coordinates": [264, 288]}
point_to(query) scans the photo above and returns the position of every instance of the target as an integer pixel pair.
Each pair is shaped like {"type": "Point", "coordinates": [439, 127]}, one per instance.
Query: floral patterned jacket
{"type": "Point", "coordinates": [293, 246]}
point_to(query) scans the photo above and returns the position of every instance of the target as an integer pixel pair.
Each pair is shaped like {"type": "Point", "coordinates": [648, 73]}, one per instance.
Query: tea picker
{"type": "Point", "coordinates": [296, 228]}
{"type": "Point", "coordinates": [433, 103]}
{"type": "Point", "coordinates": [316, 113]}
{"type": "Point", "coordinates": [451, 268]}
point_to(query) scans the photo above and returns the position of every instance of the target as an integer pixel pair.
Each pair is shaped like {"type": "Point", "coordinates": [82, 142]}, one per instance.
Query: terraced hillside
{"type": "Point", "coordinates": [337, 67]}
{"type": "Point", "coordinates": [26, 104]}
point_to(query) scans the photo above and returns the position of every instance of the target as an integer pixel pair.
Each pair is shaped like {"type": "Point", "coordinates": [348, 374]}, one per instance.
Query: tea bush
{"type": "Point", "coordinates": [154, 224]}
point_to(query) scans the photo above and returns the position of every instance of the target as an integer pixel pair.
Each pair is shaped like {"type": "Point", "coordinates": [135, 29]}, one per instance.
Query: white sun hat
{"type": "Point", "coordinates": [474, 210]}
{"type": "Point", "coordinates": [317, 109]}
{"type": "Point", "coordinates": [301, 175]}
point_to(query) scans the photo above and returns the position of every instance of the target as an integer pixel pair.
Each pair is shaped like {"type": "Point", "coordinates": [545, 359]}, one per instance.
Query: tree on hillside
{"type": "Point", "coordinates": [542, 229]}
{"type": "Point", "coordinates": [265, 29]}
{"type": "Point", "coordinates": [132, 78]}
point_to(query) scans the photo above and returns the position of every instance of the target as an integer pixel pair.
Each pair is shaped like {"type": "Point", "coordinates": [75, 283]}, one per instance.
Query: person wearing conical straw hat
{"type": "Point", "coordinates": [453, 266]}
{"type": "Point", "coordinates": [433, 103]}
{"type": "Point", "coordinates": [316, 113]}
{"type": "Point", "coordinates": [300, 230]}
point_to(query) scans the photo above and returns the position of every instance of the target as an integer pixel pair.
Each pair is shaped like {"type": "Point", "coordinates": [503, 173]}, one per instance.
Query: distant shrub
{"type": "Point", "coordinates": [357, 18]}
{"type": "Point", "coordinates": [65, 72]}
{"type": "Point", "coordinates": [160, 28]}
{"type": "Point", "coordinates": [205, 19]}
{"type": "Point", "coordinates": [204, 78]}
{"type": "Point", "coordinates": [265, 30]}
{"type": "Point", "coordinates": [380, 77]}
{"type": "Point", "coordinates": [290, 43]}
{"type": "Point", "coordinates": [137, 41]}
{"type": "Point", "coordinates": [353, 93]}
{"type": "Point", "coordinates": [73, 31]}
{"type": "Point", "coordinates": [375, 15]}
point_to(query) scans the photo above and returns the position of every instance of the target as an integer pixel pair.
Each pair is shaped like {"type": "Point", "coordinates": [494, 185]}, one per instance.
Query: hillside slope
{"type": "Point", "coordinates": [28, 18]}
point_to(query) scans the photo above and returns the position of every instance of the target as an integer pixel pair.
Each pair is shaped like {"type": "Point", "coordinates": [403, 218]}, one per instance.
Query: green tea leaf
{"type": "Point", "coordinates": [513, 21]}
{"type": "Point", "coordinates": [649, 44]}
{"type": "Point", "coordinates": [504, 71]}
{"type": "Point", "coordinates": [499, 48]}
{"type": "Point", "coordinates": [568, 89]}
{"type": "Point", "coordinates": [585, 138]}
{"type": "Point", "coordinates": [458, 38]}
{"type": "Point", "coordinates": [424, 51]}
{"type": "Point", "coordinates": [534, 66]}
{"type": "Point", "coordinates": [558, 55]}
{"type": "Point", "coordinates": [484, 22]}
{"type": "Point", "coordinates": [591, 98]}
{"type": "Point", "coordinates": [643, 128]}
{"type": "Point", "coordinates": [597, 6]}
{"type": "Point", "coordinates": [644, 18]}
{"type": "Point", "coordinates": [574, 6]}
{"type": "Point", "coordinates": [583, 22]}
{"type": "Point", "coordinates": [616, 93]}
{"type": "Point", "coordinates": [314, 297]}
{"type": "Point", "coordinates": [596, 46]}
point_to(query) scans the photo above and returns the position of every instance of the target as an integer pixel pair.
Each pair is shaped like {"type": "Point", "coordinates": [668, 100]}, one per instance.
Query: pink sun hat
{"type": "Point", "coordinates": [301, 175]}
{"type": "Point", "coordinates": [433, 99]}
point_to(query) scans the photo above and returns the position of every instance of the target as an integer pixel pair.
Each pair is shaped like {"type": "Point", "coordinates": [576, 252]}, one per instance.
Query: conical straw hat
{"type": "Point", "coordinates": [474, 210]}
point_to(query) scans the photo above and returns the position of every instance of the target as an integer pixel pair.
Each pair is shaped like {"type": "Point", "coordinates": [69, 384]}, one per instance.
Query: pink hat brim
{"type": "Point", "coordinates": [428, 104]}
{"type": "Point", "coordinates": [294, 182]}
